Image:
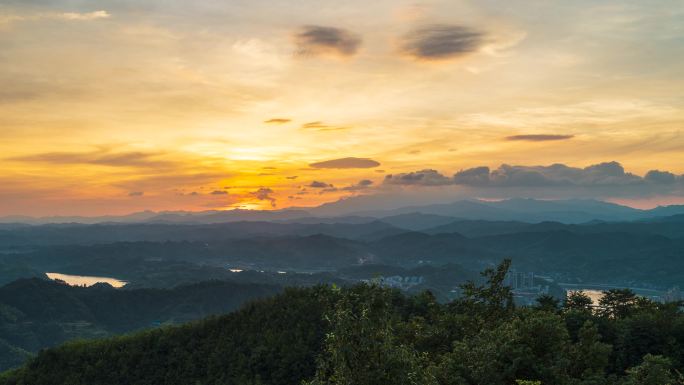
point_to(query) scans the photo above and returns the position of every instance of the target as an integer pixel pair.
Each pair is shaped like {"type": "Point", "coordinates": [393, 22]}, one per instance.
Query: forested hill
{"type": "Point", "coordinates": [37, 313]}
{"type": "Point", "coordinates": [367, 335]}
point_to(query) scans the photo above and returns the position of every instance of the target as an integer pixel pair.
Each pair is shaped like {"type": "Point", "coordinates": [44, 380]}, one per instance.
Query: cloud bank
{"type": "Point", "coordinates": [603, 180]}
{"type": "Point", "coordinates": [426, 177]}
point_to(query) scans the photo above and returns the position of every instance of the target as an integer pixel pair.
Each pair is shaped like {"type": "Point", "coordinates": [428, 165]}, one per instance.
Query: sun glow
{"type": "Point", "coordinates": [191, 108]}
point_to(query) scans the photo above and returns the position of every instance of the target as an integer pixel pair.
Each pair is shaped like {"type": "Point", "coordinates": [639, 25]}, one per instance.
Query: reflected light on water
{"type": "Point", "coordinates": [80, 280]}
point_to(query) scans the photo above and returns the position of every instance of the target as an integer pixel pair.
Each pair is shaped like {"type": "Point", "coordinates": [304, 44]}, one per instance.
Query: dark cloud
{"type": "Point", "coordinates": [219, 192]}
{"type": "Point", "coordinates": [264, 194]}
{"type": "Point", "coordinates": [292, 177]}
{"type": "Point", "coordinates": [441, 41]}
{"type": "Point", "coordinates": [421, 178]}
{"type": "Point", "coordinates": [478, 176]}
{"type": "Point", "coordinates": [507, 175]}
{"type": "Point", "coordinates": [136, 193]}
{"type": "Point", "coordinates": [346, 163]}
{"type": "Point", "coordinates": [278, 121]}
{"type": "Point", "coordinates": [321, 40]}
{"type": "Point", "coordinates": [363, 184]}
{"type": "Point", "coordinates": [660, 177]}
{"type": "Point", "coordinates": [539, 138]}
{"type": "Point", "coordinates": [317, 184]}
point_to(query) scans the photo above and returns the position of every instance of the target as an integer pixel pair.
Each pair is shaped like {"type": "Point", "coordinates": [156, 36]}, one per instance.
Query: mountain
{"type": "Point", "coordinates": [236, 215]}
{"type": "Point", "coordinates": [211, 216]}
{"type": "Point", "coordinates": [417, 221]}
{"type": "Point", "coordinates": [516, 209]}
{"type": "Point", "coordinates": [71, 234]}
{"type": "Point", "coordinates": [665, 211]}
{"type": "Point", "coordinates": [131, 218]}
{"type": "Point", "coordinates": [364, 209]}
{"type": "Point", "coordinates": [525, 210]}
{"type": "Point", "coordinates": [474, 228]}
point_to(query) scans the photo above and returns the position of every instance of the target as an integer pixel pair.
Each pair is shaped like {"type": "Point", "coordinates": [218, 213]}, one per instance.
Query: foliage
{"type": "Point", "coordinates": [370, 335]}
{"type": "Point", "coordinates": [36, 313]}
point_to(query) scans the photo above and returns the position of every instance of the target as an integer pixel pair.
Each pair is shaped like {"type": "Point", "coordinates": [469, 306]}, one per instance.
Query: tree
{"type": "Point", "coordinates": [654, 370]}
{"type": "Point", "coordinates": [547, 302]}
{"type": "Point", "coordinates": [617, 303]}
{"type": "Point", "coordinates": [492, 300]}
{"type": "Point", "coordinates": [533, 345]}
{"type": "Point", "coordinates": [578, 300]}
{"type": "Point", "coordinates": [361, 346]}
{"type": "Point", "coordinates": [589, 356]}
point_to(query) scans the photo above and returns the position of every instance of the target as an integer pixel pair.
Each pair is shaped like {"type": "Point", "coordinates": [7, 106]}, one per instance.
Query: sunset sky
{"type": "Point", "coordinates": [112, 107]}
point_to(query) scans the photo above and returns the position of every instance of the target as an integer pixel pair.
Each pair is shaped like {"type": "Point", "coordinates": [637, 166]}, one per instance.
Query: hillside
{"type": "Point", "coordinates": [367, 335]}
{"type": "Point", "coordinates": [36, 313]}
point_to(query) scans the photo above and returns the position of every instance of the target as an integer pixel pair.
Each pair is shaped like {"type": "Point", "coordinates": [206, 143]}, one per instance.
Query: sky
{"type": "Point", "coordinates": [112, 107]}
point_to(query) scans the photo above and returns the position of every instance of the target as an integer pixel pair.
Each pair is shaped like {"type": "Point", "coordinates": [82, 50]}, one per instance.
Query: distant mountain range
{"type": "Point", "coordinates": [410, 217]}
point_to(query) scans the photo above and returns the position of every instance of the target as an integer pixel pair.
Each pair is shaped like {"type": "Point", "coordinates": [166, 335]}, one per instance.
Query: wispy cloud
{"type": "Point", "coordinates": [84, 16]}
{"type": "Point", "coordinates": [350, 162]}
{"type": "Point", "coordinates": [277, 121]}
{"type": "Point", "coordinates": [321, 126]}
{"type": "Point", "coordinates": [101, 158]}
{"type": "Point", "coordinates": [68, 16]}
{"type": "Point", "coordinates": [538, 137]}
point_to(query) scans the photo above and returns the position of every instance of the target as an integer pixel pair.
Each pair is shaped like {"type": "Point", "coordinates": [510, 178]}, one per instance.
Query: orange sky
{"type": "Point", "coordinates": [110, 107]}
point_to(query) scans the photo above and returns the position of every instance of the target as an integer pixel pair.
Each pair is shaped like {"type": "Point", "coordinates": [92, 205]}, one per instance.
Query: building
{"type": "Point", "coordinates": [519, 280]}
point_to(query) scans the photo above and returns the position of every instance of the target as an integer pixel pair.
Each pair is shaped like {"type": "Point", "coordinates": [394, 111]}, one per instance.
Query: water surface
{"type": "Point", "coordinates": [80, 280]}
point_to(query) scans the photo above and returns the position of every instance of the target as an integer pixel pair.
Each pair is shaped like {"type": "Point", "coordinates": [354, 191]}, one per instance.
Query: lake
{"type": "Point", "coordinates": [80, 280]}
{"type": "Point", "coordinates": [595, 295]}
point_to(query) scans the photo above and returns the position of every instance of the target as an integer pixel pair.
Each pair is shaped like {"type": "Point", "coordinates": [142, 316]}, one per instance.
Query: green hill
{"type": "Point", "coordinates": [368, 335]}
{"type": "Point", "coordinates": [37, 313]}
